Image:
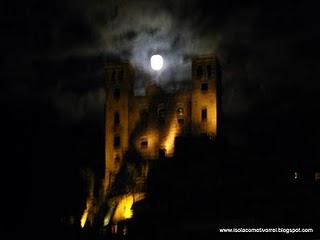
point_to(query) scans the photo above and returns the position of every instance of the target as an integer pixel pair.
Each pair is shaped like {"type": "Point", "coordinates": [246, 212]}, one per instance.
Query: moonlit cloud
{"type": "Point", "coordinates": [266, 52]}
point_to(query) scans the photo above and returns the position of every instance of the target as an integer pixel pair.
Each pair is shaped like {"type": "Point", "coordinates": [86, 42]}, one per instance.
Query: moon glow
{"type": "Point", "coordinates": [156, 62]}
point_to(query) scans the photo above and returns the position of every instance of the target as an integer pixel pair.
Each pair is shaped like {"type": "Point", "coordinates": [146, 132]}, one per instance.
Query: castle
{"type": "Point", "coordinates": [150, 123]}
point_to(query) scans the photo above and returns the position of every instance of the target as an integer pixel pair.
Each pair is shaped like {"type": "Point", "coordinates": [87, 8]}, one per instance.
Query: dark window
{"type": "Point", "coordinates": [116, 119]}
{"type": "Point", "coordinates": [204, 115]}
{"type": "Point", "coordinates": [181, 122]}
{"type": "Point", "coordinates": [144, 118]}
{"type": "Point", "coordinates": [121, 75]}
{"type": "Point", "coordinates": [180, 111]}
{"type": "Point", "coordinates": [204, 87]}
{"type": "Point", "coordinates": [116, 142]}
{"type": "Point", "coordinates": [162, 115]}
{"type": "Point", "coordinates": [162, 121]}
{"type": "Point", "coordinates": [143, 114]}
{"type": "Point", "coordinates": [199, 71]}
{"type": "Point", "coordinates": [116, 93]}
{"type": "Point", "coordinates": [117, 159]}
{"type": "Point", "coordinates": [209, 73]}
{"type": "Point", "coordinates": [113, 75]}
{"type": "Point", "coordinates": [162, 153]}
{"type": "Point", "coordinates": [144, 143]}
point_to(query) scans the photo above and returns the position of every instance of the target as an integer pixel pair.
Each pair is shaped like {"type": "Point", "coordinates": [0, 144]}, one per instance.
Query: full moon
{"type": "Point", "coordinates": [156, 62]}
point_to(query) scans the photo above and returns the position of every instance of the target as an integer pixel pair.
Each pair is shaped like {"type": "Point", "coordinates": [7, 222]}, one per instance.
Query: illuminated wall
{"type": "Point", "coordinates": [166, 116]}
{"type": "Point", "coordinates": [123, 209]}
{"type": "Point", "coordinates": [204, 95]}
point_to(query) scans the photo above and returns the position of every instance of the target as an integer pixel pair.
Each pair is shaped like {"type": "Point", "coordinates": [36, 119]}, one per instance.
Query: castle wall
{"type": "Point", "coordinates": [150, 123]}
{"type": "Point", "coordinates": [158, 118]}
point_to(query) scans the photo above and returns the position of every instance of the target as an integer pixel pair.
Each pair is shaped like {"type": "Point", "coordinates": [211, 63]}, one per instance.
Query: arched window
{"type": "Point", "coordinates": [209, 72]}
{"type": "Point", "coordinates": [199, 71]}
{"type": "Point", "coordinates": [113, 75]}
{"type": "Point", "coordinates": [180, 111]}
{"type": "Point", "coordinates": [204, 87]}
{"type": "Point", "coordinates": [161, 113]}
{"type": "Point", "coordinates": [144, 143]}
{"type": "Point", "coordinates": [204, 114]}
{"type": "Point", "coordinates": [117, 158]}
{"type": "Point", "coordinates": [116, 141]}
{"type": "Point", "coordinates": [180, 122]}
{"type": "Point", "coordinates": [116, 119]}
{"type": "Point", "coordinates": [116, 93]}
{"type": "Point", "coordinates": [144, 118]}
{"type": "Point", "coordinates": [121, 75]}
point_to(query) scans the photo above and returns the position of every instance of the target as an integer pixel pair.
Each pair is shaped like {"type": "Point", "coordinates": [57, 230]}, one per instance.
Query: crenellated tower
{"type": "Point", "coordinates": [204, 100]}
{"type": "Point", "coordinates": [119, 92]}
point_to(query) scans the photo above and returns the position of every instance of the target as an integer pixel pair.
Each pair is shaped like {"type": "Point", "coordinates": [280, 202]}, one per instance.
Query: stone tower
{"type": "Point", "coordinates": [204, 99]}
{"type": "Point", "coordinates": [119, 92]}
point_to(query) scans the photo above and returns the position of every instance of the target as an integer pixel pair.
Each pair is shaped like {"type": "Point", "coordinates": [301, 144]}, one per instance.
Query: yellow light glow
{"type": "Point", "coordinates": [85, 214]}
{"type": "Point", "coordinates": [169, 140]}
{"type": "Point", "coordinates": [123, 210]}
{"type": "Point", "coordinates": [84, 218]}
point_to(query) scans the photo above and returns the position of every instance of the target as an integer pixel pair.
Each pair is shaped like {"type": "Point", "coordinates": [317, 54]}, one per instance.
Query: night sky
{"type": "Point", "coordinates": [51, 88]}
